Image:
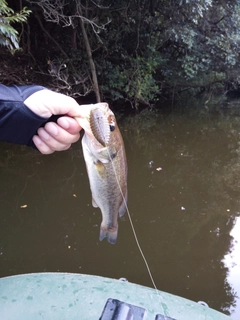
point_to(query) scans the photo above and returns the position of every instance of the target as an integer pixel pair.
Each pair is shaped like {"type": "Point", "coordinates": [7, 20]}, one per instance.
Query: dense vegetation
{"type": "Point", "coordinates": [137, 50]}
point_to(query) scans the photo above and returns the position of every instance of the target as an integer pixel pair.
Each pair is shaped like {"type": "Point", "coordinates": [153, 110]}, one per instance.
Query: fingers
{"type": "Point", "coordinates": [57, 136]}
{"type": "Point", "coordinates": [41, 146]}
{"type": "Point", "coordinates": [69, 124]}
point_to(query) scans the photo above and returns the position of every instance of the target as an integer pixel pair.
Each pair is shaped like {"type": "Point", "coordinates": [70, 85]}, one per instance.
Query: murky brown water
{"type": "Point", "coordinates": [184, 191]}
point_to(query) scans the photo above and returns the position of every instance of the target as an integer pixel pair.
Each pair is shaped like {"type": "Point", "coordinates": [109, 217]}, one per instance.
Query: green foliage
{"type": "Point", "coordinates": [206, 39]}
{"type": "Point", "coordinates": [161, 43]}
{"type": "Point", "coordinates": [8, 34]}
{"type": "Point", "coordinates": [132, 79]}
{"type": "Point", "coordinates": [141, 48]}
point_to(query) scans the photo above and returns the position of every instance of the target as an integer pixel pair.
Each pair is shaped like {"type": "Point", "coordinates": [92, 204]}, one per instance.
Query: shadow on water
{"type": "Point", "coordinates": [183, 198]}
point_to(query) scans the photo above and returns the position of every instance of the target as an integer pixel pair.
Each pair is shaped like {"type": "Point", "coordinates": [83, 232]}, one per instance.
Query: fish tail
{"type": "Point", "coordinates": [110, 234]}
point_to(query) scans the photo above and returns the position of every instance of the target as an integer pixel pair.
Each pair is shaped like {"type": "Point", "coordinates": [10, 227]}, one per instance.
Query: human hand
{"type": "Point", "coordinates": [55, 136]}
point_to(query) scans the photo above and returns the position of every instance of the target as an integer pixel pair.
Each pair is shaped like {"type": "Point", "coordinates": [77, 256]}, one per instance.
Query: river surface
{"type": "Point", "coordinates": [184, 187]}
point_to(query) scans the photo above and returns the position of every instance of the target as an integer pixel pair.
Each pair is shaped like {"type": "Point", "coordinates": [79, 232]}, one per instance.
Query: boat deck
{"type": "Point", "coordinates": [65, 296]}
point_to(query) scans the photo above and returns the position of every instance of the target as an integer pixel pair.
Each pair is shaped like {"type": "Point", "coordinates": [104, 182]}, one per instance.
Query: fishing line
{"type": "Point", "coordinates": [132, 226]}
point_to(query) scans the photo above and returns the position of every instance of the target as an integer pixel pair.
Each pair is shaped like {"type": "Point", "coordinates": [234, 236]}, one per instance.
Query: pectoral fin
{"type": "Point", "coordinates": [100, 169]}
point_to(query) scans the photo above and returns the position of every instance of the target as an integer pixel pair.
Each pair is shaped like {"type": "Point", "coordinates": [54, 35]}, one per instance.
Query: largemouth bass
{"type": "Point", "coordinates": [105, 159]}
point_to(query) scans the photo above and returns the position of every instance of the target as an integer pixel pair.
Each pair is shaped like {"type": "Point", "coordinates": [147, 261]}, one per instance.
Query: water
{"type": "Point", "coordinates": [183, 198]}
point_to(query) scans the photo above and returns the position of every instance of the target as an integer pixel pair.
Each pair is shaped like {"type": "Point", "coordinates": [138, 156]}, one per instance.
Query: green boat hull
{"type": "Point", "coordinates": [64, 296]}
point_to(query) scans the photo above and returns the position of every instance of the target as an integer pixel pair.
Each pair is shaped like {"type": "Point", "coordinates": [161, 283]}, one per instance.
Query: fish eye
{"type": "Point", "coordinates": [112, 127]}
{"type": "Point", "coordinates": [113, 155]}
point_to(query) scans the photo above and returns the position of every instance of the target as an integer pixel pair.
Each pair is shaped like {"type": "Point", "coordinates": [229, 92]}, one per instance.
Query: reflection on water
{"type": "Point", "coordinates": [184, 175]}
{"type": "Point", "coordinates": [232, 263]}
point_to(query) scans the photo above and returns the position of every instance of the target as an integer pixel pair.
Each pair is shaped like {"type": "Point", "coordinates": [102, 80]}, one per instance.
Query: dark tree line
{"type": "Point", "coordinates": [136, 50]}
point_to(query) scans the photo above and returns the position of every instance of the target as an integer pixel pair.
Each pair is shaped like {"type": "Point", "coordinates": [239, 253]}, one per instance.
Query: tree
{"type": "Point", "coordinates": [9, 36]}
{"type": "Point", "coordinates": [72, 15]}
{"type": "Point", "coordinates": [163, 45]}
{"type": "Point", "coordinates": [202, 37]}
{"type": "Point", "coordinates": [136, 50]}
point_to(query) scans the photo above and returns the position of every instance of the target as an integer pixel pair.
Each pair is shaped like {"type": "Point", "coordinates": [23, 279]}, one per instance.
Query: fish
{"type": "Point", "coordinates": [105, 158]}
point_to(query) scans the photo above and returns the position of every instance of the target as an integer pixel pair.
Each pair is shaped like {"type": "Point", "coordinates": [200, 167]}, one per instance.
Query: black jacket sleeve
{"type": "Point", "coordinates": [18, 123]}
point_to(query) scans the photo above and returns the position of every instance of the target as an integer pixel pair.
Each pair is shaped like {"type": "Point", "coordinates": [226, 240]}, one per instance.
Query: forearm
{"type": "Point", "coordinates": [18, 123]}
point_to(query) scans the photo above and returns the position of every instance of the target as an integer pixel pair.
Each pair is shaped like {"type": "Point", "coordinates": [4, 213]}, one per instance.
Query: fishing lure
{"type": "Point", "coordinates": [100, 126]}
